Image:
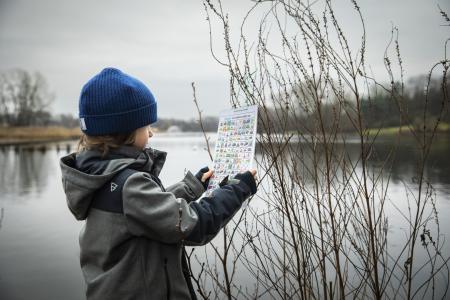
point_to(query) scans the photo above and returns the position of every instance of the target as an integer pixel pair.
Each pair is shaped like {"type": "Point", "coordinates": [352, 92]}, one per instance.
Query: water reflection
{"type": "Point", "coordinates": [398, 158]}
{"type": "Point", "coordinates": [404, 158]}
{"type": "Point", "coordinates": [44, 263]}
{"type": "Point", "coordinates": [26, 170]}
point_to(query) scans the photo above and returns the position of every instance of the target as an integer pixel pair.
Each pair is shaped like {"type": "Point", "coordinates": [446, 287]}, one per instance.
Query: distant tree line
{"type": "Point", "coordinates": [209, 124]}
{"type": "Point", "coordinates": [380, 110]}
{"type": "Point", "coordinates": [25, 100]}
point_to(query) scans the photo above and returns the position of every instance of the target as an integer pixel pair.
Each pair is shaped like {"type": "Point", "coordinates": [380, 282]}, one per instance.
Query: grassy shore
{"type": "Point", "coordinates": [38, 134]}
{"type": "Point", "coordinates": [35, 134]}
{"type": "Point", "coordinates": [390, 131]}
{"type": "Point", "coordinates": [20, 135]}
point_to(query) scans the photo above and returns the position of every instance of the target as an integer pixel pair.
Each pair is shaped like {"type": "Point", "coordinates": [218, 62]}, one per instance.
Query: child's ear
{"type": "Point", "coordinates": [150, 131]}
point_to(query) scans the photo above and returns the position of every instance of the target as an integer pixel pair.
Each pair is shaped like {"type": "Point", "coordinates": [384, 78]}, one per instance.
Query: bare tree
{"type": "Point", "coordinates": [24, 98]}
{"type": "Point", "coordinates": [321, 231]}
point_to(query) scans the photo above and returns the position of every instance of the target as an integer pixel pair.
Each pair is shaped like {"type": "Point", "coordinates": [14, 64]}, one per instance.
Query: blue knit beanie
{"type": "Point", "coordinates": [113, 102]}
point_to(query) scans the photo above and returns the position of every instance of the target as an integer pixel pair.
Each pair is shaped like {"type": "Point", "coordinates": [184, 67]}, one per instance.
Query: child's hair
{"type": "Point", "coordinates": [104, 143]}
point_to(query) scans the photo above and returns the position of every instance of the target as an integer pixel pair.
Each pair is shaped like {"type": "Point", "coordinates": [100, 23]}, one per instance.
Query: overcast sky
{"type": "Point", "coordinates": [166, 44]}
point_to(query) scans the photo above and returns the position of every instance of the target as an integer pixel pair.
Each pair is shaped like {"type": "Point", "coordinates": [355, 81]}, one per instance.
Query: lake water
{"type": "Point", "coordinates": [39, 236]}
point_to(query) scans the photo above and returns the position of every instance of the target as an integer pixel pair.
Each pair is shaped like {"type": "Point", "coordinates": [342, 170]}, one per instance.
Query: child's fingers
{"type": "Point", "coordinates": [253, 171]}
{"type": "Point", "coordinates": [207, 175]}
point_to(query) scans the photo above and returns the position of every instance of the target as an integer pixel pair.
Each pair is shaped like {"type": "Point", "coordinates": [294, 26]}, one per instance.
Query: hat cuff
{"type": "Point", "coordinates": [119, 123]}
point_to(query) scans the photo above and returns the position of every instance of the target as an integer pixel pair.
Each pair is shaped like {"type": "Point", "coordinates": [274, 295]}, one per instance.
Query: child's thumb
{"type": "Point", "coordinates": [207, 175]}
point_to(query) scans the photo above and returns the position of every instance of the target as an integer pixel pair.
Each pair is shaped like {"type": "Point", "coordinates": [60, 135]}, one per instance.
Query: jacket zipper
{"type": "Point", "coordinates": [166, 273]}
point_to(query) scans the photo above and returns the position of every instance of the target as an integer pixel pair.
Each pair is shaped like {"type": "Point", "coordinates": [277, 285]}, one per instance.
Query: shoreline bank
{"type": "Point", "coordinates": [36, 134]}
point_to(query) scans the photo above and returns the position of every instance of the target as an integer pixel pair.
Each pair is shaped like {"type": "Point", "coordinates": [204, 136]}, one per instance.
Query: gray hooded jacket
{"type": "Point", "coordinates": [131, 243]}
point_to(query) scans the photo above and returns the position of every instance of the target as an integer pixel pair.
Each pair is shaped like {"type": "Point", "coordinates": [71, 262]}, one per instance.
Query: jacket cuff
{"type": "Point", "coordinates": [194, 184]}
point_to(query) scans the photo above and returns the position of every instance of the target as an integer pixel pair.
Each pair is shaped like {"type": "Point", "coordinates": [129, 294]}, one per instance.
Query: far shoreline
{"type": "Point", "coordinates": [29, 135]}
{"type": "Point", "coordinates": [23, 135]}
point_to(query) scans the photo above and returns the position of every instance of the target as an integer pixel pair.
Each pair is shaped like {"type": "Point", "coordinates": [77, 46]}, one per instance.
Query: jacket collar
{"type": "Point", "coordinates": [149, 159]}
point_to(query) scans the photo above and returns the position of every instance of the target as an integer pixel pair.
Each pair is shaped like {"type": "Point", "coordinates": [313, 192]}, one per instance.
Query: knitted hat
{"type": "Point", "coordinates": [113, 102]}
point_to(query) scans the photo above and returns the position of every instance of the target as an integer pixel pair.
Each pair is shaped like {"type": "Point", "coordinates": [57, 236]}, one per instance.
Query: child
{"type": "Point", "coordinates": [131, 244]}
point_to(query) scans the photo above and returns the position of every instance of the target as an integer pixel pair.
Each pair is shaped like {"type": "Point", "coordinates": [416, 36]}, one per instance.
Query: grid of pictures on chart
{"type": "Point", "coordinates": [235, 145]}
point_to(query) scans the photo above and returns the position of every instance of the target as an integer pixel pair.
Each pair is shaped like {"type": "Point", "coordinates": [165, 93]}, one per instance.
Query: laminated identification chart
{"type": "Point", "coordinates": [235, 145]}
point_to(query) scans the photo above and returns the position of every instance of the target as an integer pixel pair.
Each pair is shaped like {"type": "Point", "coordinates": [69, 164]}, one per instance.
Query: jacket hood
{"type": "Point", "coordinates": [85, 172]}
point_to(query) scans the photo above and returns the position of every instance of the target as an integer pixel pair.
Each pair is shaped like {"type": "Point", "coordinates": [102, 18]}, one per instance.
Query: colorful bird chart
{"type": "Point", "coordinates": [235, 145]}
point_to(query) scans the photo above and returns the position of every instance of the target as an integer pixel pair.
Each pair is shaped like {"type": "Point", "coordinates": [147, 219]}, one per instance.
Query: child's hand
{"type": "Point", "coordinates": [204, 175]}
{"type": "Point", "coordinates": [249, 177]}
{"type": "Point", "coordinates": [207, 175]}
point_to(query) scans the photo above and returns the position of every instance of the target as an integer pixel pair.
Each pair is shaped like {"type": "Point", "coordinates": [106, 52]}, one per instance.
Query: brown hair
{"type": "Point", "coordinates": [104, 143]}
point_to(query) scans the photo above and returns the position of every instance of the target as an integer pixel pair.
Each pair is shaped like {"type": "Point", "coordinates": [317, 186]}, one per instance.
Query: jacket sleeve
{"type": "Point", "coordinates": [153, 213]}
{"type": "Point", "coordinates": [215, 211]}
{"type": "Point", "coordinates": [161, 216]}
{"type": "Point", "coordinates": [189, 188]}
